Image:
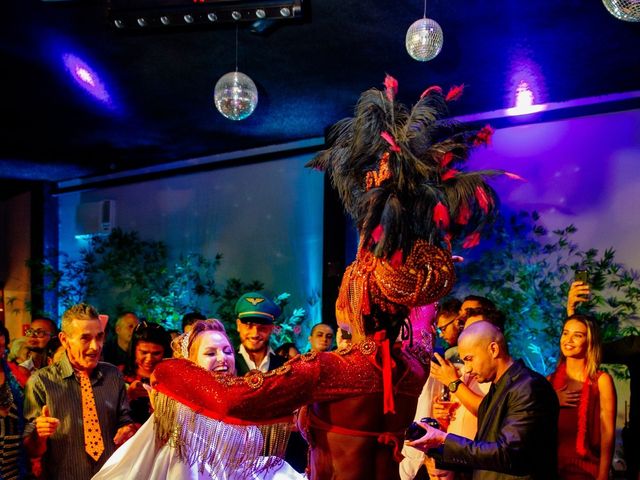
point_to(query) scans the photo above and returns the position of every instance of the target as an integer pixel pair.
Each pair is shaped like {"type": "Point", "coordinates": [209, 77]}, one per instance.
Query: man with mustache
{"type": "Point", "coordinates": [255, 314]}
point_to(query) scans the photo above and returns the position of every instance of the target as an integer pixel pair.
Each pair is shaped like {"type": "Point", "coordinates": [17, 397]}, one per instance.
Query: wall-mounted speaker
{"type": "Point", "coordinates": [95, 218]}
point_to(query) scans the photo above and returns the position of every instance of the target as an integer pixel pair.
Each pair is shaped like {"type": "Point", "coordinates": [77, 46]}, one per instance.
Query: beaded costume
{"type": "Point", "coordinates": [397, 171]}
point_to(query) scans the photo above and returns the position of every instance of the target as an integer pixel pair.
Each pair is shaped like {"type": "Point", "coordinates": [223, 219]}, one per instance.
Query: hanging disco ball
{"type": "Point", "coordinates": [424, 39]}
{"type": "Point", "coordinates": [235, 95]}
{"type": "Point", "coordinates": [627, 10]}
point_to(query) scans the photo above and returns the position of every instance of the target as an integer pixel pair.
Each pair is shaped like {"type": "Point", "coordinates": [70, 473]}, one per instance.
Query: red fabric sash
{"type": "Point", "coordinates": [393, 439]}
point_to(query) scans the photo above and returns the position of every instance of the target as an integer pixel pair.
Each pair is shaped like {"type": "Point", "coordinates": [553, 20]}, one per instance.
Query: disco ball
{"type": "Point", "coordinates": [236, 96]}
{"type": "Point", "coordinates": [424, 39]}
{"type": "Point", "coordinates": [627, 10]}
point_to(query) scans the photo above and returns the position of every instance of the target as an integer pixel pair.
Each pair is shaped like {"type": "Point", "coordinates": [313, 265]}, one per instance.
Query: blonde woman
{"type": "Point", "coordinates": [187, 444]}
{"type": "Point", "coordinates": [586, 428]}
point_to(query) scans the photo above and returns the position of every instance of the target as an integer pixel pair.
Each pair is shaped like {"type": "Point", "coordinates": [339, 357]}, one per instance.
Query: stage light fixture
{"type": "Point", "coordinates": [124, 14]}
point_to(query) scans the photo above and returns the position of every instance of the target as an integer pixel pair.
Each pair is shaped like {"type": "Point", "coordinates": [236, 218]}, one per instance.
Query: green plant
{"type": "Point", "coordinates": [121, 272]}
{"type": "Point", "coordinates": [289, 328]}
{"type": "Point", "coordinates": [527, 270]}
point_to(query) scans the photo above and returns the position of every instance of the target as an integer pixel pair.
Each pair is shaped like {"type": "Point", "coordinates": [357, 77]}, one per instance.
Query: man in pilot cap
{"type": "Point", "coordinates": [255, 314]}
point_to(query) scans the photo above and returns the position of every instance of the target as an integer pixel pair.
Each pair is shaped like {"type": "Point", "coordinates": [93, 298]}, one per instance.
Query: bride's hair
{"type": "Point", "coordinates": [185, 345]}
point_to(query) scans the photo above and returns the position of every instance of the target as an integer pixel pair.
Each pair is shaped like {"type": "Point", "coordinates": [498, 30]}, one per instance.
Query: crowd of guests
{"type": "Point", "coordinates": [43, 414]}
{"type": "Point", "coordinates": [497, 418]}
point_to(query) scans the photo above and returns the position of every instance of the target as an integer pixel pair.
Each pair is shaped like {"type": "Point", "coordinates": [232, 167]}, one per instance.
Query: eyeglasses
{"type": "Point", "coordinates": [442, 328]}
{"type": "Point", "coordinates": [39, 333]}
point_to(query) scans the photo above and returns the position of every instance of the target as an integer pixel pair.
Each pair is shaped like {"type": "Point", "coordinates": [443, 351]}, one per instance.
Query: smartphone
{"type": "Point", "coordinates": [582, 276]}
{"type": "Point", "coordinates": [435, 360]}
{"type": "Point", "coordinates": [345, 335]}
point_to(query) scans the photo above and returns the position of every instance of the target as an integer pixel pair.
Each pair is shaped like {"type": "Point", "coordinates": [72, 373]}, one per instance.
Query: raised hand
{"type": "Point", "coordinates": [578, 292]}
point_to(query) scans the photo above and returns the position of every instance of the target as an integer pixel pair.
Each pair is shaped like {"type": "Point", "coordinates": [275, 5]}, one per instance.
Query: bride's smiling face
{"type": "Point", "coordinates": [215, 353]}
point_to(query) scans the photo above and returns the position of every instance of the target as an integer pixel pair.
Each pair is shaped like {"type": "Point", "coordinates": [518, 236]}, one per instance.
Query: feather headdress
{"type": "Point", "coordinates": [398, 172]}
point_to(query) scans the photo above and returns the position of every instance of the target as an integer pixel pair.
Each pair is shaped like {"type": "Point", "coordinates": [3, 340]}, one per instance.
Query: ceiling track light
{"type": "Point", "coordinates": [137, 14]}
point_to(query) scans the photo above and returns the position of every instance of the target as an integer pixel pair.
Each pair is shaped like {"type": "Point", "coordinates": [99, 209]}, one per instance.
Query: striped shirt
{"type": "Point", "coordinates": [12, 460]}
{"type": "Point", "coordinates": [58, 387]}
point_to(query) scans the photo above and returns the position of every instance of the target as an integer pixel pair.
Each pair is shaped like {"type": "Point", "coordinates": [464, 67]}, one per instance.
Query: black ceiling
{"type": "Point", "coordinates": [309, 73]}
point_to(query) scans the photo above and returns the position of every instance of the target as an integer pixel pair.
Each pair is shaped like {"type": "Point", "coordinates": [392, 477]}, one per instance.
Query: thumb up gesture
{"type": "Point", "coordinates": [46, 425]}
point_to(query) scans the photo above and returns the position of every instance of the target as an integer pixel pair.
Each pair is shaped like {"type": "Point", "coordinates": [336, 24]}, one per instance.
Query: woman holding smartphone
{"type": "Point", "coordinates": [586, 426]}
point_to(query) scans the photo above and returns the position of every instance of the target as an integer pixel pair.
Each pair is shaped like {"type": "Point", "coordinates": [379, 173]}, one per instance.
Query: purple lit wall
{"type": "Point", "coordinates": [584, 171]}
{"type": "Point", "coordinates": [266, 219]}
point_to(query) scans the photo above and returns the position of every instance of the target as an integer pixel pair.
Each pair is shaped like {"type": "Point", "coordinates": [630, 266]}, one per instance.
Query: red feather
{"type": "Point", "coordinates": [454, 93]}
{"type": "Point", "coordinates": [441, 216]}
{"type": "Point", "coordinates": [464, 214]}
{"type": "Point", "coordinates": [434, 88]}
{"type": "Point", "coordinates": [471, 240]}
{"type": "Point", "coordinates": [449, 174]}
{"type": "Point", "coordinates": [514, 176]}
{"type": "Point", "coordinates": [483, 199]}
{"type": "Point", "coordinates": [396, 259]}
{"type": "Point", "coordinates": [391, 87]}
{"type": "Point", "coordinates": [446, 159]}
{"type": "Point", "coordinates": [390, 140]}
{"type": "Point", "coordinates": [447, 240]}
{"type": "Point", "coordinates": [483, 137]}
{"type": "Point", "coordinates": [377, 233]}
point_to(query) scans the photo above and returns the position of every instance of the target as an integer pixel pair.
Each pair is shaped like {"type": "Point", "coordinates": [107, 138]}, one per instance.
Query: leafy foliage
{"type": "Point", "coordinates": [527, 271]}
{"type": "Point", "coordinates": [121, 272]}
{"type": "Point", "coordinates": [290, 326]}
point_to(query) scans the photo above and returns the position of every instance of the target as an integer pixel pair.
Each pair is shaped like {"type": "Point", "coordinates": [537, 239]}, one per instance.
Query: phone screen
{"type": "Point", "coordinates": [582, 276]}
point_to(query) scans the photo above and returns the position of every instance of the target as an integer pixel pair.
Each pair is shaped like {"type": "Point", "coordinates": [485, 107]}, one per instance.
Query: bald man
{"type": "Point", "coordinates": [517, 420]}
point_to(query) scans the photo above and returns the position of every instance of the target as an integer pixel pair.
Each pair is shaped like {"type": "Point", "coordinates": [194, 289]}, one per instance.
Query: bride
{"type": "Point", "coordinates": [188, 445]}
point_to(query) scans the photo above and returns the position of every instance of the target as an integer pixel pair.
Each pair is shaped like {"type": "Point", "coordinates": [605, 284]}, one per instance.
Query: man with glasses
{"type": "Point", "coordinates": [448, 325]}
{"type": "Point", "coordinates": [39, 333]}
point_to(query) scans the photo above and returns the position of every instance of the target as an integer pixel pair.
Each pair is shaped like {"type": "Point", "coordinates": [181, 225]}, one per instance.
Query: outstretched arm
{"type": "Point", "coordinates": [578, 293]}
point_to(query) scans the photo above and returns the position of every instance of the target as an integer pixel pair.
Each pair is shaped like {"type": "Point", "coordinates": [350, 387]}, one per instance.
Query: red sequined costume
{"type": "Point", "coordinates": [331, 381]}
{"type": "Point", "coordinates": [397, 171]}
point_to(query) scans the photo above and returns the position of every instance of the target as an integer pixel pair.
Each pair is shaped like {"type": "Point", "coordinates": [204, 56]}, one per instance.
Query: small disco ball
{"type": "Point", "coordinates": [424, 39]}
{"type": "Point", "coordinates": [627, 10]}
{"type": "Point", "coordinates": [235, 95]}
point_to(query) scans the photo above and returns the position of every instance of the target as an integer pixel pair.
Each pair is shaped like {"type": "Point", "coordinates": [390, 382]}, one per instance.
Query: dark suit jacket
{"type": "Point", "coordinates": [275, 361]}
{"type": "Point", "coordinates": [517, 431]}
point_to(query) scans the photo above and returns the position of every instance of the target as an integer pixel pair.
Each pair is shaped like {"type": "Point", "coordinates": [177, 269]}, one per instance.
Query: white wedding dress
{"type": "Point", "coordinates": [138, 459]}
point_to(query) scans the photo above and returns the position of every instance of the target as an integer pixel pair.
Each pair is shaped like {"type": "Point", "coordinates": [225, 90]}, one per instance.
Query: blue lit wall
{"type": "Point", "coordinates": [266, 219]}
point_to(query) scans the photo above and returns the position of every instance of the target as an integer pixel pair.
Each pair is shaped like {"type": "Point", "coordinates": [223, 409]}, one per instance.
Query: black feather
{"type": "Point", "coordinates": [403, 204]}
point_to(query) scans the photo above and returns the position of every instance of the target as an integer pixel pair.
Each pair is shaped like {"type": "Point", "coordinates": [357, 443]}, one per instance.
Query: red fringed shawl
{"type": "Point", "coordinates": [586, 409]}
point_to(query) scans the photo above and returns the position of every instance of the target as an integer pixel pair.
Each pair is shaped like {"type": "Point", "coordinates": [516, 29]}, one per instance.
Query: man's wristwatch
{"type": "Point", "coordinates": [453, 386]}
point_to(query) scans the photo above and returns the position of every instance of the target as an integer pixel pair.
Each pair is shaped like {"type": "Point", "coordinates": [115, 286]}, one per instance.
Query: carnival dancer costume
{"type": "Point", "coordinates": [397, 171]}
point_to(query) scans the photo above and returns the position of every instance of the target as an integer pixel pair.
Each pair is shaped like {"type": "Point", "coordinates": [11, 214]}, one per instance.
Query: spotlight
{"type": "Point", "coordinates": [188, 18]}
{"type": "Point", "coordinates": [165, 20]}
